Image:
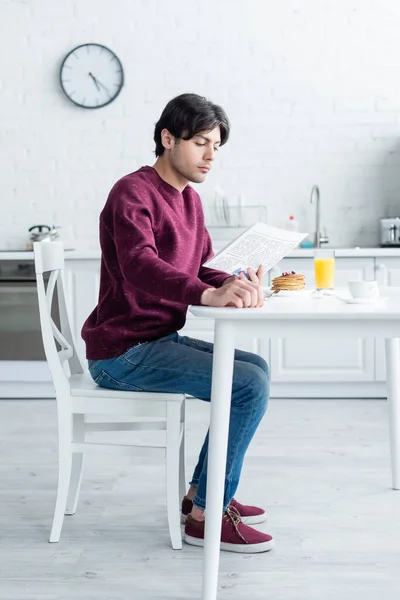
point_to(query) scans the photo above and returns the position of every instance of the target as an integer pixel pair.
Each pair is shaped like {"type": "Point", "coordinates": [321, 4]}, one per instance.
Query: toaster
{"type": "Point", "coordinates": [389, 234]}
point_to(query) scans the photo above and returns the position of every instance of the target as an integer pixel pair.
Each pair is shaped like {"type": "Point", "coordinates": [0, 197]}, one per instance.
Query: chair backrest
{"type": "Point", "coordinates": [63, 361]}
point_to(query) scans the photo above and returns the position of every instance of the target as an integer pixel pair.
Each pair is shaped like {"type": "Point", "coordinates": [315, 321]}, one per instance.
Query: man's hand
{"type": "Point", "coordinates": [237, 291]}
{"type": "Point", "coordinates": [253, 276]}
{"type": "Point", "coordinates": [229, 280]}
{"type": "Point", "coordinates": [256, 277]}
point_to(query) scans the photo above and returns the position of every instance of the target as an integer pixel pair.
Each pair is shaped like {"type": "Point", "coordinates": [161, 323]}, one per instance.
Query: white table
{"type": "Point", "coordinates": [283, 317]}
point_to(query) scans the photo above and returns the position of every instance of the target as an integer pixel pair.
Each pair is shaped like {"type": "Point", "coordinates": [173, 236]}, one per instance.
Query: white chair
{"type": "Point", "coordinates": [78, 396]}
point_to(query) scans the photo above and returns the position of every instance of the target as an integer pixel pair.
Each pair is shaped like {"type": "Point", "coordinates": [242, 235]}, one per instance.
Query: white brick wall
{"type": "Point", "coordinates": [312, 88]}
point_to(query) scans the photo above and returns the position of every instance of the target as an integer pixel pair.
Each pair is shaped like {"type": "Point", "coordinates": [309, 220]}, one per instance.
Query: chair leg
{"type": "Point", "coordinates": [172, 474]}
{"type": "Point", "coordinates": [77, 465]}
{"type": "Point", "coordinates": [64, 475]}
{"type": "Point", "coordinates": [182, 457]}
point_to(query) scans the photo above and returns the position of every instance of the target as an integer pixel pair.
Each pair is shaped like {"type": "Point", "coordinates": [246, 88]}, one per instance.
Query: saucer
{"type": "Point", "coordinates": [351, 300]}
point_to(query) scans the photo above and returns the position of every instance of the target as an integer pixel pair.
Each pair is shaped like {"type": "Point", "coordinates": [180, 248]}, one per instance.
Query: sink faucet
{"type": "Point", "coordinates": [318, 237]}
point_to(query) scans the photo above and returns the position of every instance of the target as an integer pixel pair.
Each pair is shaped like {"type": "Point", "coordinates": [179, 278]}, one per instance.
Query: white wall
{"type": "Point", "coordinates": [312, 89]}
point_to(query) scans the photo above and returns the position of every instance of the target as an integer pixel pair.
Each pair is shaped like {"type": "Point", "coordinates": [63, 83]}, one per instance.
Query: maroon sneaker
{"type": "Point", "coordinates": [235, 535]}
{"type": "Point", "coordinates": [250, 515]}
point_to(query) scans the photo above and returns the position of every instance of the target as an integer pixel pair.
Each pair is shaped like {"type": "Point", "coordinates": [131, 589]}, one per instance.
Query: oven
{"type": "Point", "coordinates": [22, 358]}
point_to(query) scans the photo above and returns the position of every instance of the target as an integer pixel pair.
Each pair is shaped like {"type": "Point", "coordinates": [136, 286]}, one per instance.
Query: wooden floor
{"type": "Point", "coordinates": [321, 468]}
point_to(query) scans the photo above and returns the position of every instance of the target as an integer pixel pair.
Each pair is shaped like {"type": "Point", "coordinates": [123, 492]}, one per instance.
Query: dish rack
{"type": "Point", "coordinates": [226, 215]}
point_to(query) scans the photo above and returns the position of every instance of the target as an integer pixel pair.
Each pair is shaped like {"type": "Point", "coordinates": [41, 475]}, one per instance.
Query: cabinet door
{"type": "Point", "coordinates": [82, 283]}
{"type": "Point", "coordinates": [387, 274]}
{"type": "Point", "coordinates": [323, 360]}
{"type": "Point", "coordinates": [200, 329]}
{"type": "Point", "coordinates": [203, 329]}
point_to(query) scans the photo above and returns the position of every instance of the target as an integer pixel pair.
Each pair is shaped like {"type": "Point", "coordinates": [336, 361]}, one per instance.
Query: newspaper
{"type": "Point", "coordinates": [260, 244]}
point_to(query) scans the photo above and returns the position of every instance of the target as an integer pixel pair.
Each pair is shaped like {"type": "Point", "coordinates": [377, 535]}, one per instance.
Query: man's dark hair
{"type": "Point", "coordinates": [187, 115]}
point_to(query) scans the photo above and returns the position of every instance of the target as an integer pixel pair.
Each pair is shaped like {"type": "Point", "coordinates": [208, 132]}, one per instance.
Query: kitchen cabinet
{"type": "Point", "coordinates": [299, 368]}
{"type": "Point", "coordinates": [388, 275]}
{"type": "Point", "coordinates": [196, 329]}
{"type": "Point", "coordinates": [82, 279]}
{"type": "Point", "coordinates": [311, 360]}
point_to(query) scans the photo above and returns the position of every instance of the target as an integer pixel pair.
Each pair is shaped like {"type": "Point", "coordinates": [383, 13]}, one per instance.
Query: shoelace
{"type": "Point", "coordinates": [234, 517]}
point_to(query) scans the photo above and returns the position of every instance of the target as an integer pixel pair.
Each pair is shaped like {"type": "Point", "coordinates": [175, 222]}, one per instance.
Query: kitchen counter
{"type": "Point", "coordinates": [94, 254]}
{"type": "Point", "coordinates": [348, 252]}
{"type": "Point", "coordinates": [85, 254]}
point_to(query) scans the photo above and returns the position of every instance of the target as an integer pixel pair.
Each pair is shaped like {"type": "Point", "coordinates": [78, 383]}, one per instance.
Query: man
{"type": "Point", "coordinates": [154, 244]}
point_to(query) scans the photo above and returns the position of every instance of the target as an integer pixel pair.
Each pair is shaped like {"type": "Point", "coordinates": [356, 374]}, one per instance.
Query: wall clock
{"type": "Point", "coordinates": [91, 76]}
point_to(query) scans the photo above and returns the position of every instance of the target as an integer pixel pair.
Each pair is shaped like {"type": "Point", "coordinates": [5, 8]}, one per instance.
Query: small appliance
{"type": "Point", "coordinates": [389, 232]}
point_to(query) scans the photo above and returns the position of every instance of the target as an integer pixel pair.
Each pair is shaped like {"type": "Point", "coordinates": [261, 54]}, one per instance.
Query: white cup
{"type": "Point", "coordinates": [364, 290]}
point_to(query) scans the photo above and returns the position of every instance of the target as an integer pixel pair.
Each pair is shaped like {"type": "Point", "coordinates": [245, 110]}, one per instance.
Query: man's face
{"type": "Point", "coordinates": [192, 159]}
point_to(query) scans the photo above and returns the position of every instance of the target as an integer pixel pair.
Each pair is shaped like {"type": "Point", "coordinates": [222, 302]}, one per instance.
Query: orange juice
{"type": "Point", "coordinates": [324, 273]}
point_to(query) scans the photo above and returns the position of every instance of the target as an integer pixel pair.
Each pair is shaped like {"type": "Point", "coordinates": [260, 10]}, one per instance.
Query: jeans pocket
{"type": "Point", "coordinates": [96, 367]}
{"type": "Point", "coordinates": [132, 355]}
{"type": "Point", "coordinates": [105, 380]}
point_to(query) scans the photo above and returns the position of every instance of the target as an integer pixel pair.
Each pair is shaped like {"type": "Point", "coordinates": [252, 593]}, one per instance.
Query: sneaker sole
{"type": "Point", "coordinates": [240, 548]}
{"type": "Point", "coordinates": [254, 520]}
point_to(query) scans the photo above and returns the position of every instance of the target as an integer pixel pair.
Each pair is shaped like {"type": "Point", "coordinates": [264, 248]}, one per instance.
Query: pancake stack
{"type": "Point", "coordinates": [291, 282]}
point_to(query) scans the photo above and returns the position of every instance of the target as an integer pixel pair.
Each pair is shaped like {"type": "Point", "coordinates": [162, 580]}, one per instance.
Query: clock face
{"type": "Point", "coordinates": [91, 76]}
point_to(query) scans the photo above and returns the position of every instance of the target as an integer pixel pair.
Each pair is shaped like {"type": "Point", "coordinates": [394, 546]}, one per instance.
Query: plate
{"type": "Point", "coordinates": [292, 294]}
{"type": "Point", "coordinates": [350, 300]}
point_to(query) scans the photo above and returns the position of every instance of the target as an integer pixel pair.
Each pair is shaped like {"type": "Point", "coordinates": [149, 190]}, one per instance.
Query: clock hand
{"type": "Point", "coordinates": [102, 85]}
{"type": "Point", "coordinates": [95, 81]}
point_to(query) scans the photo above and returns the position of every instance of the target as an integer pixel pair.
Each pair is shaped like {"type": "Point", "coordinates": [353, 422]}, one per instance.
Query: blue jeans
{"type": "Point", "coordinates": [182, 365]}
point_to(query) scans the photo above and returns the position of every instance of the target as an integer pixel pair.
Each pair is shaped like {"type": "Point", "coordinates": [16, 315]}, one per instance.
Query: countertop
{"type": "Point", "coordinates": [94, 254]}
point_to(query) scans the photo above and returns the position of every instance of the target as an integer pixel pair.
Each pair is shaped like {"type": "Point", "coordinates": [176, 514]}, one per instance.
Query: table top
{"type": "Point", "coordinates": [309, 306]}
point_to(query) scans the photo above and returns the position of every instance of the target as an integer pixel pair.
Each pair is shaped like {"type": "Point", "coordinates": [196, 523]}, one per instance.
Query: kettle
{"type": "Point", "coordinates": [41, 233]}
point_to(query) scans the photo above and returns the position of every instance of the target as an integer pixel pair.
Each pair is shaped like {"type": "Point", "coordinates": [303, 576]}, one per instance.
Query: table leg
{"type": "Point", "coordinates": [219, 426]}
{"type": "Point", "coordinates": [392, 351]}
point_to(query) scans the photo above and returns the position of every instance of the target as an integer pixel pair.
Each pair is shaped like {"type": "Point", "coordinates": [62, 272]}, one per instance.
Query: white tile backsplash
{"type": "Point", "coordinates": [311, 89]}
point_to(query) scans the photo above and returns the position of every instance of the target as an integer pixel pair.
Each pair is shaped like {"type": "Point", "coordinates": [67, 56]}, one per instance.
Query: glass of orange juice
{"type": "Point", "coordinates": [324, 268]}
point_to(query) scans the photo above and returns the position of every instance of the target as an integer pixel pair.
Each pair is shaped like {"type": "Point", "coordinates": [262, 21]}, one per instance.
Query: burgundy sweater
{"type": "Point", "coordinates": [153, 243]}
